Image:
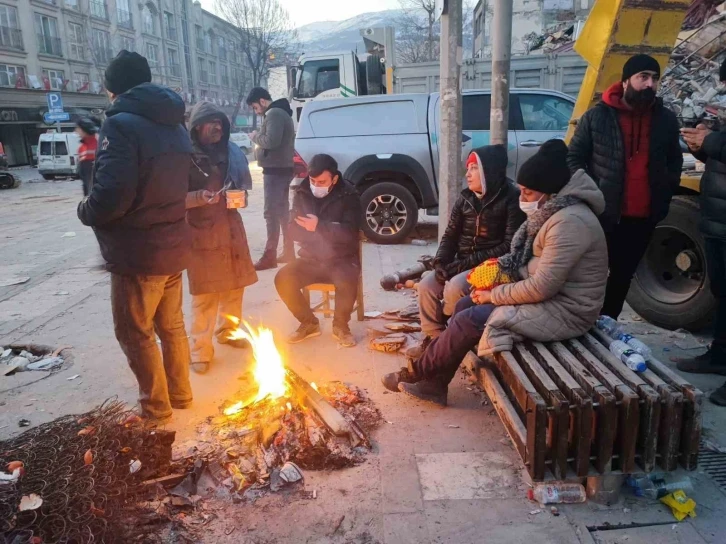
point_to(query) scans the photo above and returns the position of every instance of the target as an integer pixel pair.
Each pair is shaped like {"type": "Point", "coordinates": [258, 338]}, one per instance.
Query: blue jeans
{"type": "Point", "coordinates": [445, 353]}
{"type": "Point", "coordinates": [277, 210]}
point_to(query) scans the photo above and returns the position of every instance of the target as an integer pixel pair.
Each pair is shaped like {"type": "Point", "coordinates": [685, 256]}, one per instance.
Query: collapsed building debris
{"type": "Point", "coordinates": [21, 358]}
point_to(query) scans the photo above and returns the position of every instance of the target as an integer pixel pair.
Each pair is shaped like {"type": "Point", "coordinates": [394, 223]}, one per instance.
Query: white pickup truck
{"type": "Point", "coordinates": [388, 146]}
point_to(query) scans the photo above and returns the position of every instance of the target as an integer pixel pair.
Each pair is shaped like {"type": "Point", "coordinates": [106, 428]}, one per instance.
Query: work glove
{"type": "Point", "coordinates": [440, 274]}
{"type": "Point", "coordinates": [452, 269]}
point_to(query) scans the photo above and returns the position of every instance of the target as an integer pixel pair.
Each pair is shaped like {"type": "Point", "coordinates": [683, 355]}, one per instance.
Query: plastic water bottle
{"type": "Point", "coordinates": [557, 492]}
{"type": "Point", "coordinates": [636, 344]}
{"type": "Point", "coordinates": [627, 355]}
{"type": "Point", "coordinates": [656, 486]}
{"type": "Point", "coordinates": [609, 326]}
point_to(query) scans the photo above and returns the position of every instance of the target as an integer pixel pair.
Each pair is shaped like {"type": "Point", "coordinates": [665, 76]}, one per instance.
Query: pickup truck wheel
{"type": "Point", "coordinates": [8, 181]}
{"type": "Point", "coordinates": [390, 213]}
{"type": "Point", "coordinates": [671, 288]}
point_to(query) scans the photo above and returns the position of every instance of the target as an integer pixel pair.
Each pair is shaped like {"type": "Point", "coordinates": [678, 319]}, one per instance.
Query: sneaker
{"type": "Point", "coordinates": [433, 391]}
{"type": "Point", "coordinates": [405, 375]}
{"type": "Point", "coordinates": [718, 397]}
{"type": "Point", "coordinates": [268, 261]}
{"type": "Point", "coordinates": [344, 337]}
{"type": "Point", "coordinates": [305, 331]}
{"type": "Point", "coordinates": [200, 367]}
{"type": "Point", "coordinates": [707, 363]}
{"type": "Point", "coordinates": [239, 343]}
{"type": "Point", "coordinates": [417, 350]}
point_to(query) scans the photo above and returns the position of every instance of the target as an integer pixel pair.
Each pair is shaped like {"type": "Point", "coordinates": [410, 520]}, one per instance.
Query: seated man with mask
{"type": "Point", "coordinates": [325, 222]}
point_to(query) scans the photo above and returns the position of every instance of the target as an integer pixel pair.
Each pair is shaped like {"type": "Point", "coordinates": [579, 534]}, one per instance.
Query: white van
{"type": "Point", "coordinates": [58, 154]}
{"type": "Point", "coordinates": [242, 140]}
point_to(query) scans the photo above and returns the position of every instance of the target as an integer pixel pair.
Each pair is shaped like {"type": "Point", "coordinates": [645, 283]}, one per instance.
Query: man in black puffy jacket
{"type": "Point", "coordinates": [710, 147]}
{"type": "Point", "coordinates": [137, 209]}
{"type": "Point", "coordinates": [483, 221]}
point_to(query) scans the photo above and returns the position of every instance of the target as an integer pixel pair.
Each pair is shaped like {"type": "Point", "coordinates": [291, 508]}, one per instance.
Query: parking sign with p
{"type": "Point", "coordinates": [55, 102]}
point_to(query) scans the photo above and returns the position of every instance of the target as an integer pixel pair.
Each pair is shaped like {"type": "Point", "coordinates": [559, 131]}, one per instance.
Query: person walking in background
{"type": "Point", "coordinates": [137, 208]}
{"type": "Point", "coordinates": [86, 130]}
{"type": "Point", "coordinates": [481, 226]}
{"type": "Point", "coordinates": [221, 266]}
{"type": "Point", "coordinates": [629, 145]}
{"type": "Point", "coordinates": [710, 147]}
{"type": "Point", "coordinates": [274, 153]}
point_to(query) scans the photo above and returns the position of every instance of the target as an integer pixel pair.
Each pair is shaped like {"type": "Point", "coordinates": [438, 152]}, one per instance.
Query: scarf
{"type": "Point", "coordinates": [521, 250]}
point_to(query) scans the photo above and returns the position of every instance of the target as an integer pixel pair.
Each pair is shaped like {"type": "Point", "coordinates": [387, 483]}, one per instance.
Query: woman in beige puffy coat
{"type": "Point", "coordinates": [558, 261]}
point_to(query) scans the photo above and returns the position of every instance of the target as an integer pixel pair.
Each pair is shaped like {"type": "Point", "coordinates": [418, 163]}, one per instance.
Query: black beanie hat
{"type": "Point", "coordinates": [546, 171]}
{"type": "Point", "coordinates": [126, 71]}
{"type": "Point", "coordinates": [639, 63]}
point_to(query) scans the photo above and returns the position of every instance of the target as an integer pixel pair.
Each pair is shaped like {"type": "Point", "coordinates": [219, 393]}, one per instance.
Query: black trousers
{"type": "Point", "coordinates": [277, 211]}
{"type": "Point", "coordinates": [627, 242]}
{"type": "Point", "coordinates": [300, 273]}
{"type": "Point", "coordinates": [716, 263]}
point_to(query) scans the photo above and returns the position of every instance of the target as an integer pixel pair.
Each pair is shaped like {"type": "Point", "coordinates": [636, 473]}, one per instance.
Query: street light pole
{"type": "Point", "coordinates": [450, 173]}
{"type": "Point", "coordinates": [501, 55]}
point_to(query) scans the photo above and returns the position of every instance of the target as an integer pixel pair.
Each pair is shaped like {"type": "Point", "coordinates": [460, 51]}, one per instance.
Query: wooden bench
{"type": "Point", "coordinates": [573, 410]}
{"type": "Point", "coordinates": [327, 291]}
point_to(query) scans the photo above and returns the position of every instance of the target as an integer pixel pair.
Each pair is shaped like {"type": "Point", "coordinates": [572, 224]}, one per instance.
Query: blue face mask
{"type": "Point", "coordinates": [319, 192]}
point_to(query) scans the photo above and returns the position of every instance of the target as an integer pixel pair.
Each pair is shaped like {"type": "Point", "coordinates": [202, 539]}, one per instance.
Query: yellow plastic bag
{"type": "Point", "coordinates": [487, 276]}
{"type": "Point", "coordinates": [680, 504]}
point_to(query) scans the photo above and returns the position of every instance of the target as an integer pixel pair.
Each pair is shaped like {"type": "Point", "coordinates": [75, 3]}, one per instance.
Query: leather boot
{"type": "Point", "coordinates": [711, 362]}
{"type": "Point", "coordinates": [434, 391]}
{"type": "Point", "coordinates": [405, 375]}
{"type": "Point", "coordinates": [268, 261]}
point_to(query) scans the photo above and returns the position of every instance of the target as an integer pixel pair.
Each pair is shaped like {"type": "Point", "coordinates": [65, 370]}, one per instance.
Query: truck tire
{"type": "Point", "coordinates": [48, 177]}
{"type": "Point", "coordinates": [390, 213]}
{"type": "Point", "coordinates": [8, 181]}
{"type": "Point", "coordinates": [374, 74]}
{"type": "Point", "coordinates": [671, 287]}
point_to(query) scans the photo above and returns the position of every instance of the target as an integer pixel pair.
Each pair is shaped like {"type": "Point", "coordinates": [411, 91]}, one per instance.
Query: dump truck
{"type": "Point", "coordinates": [671, 287]}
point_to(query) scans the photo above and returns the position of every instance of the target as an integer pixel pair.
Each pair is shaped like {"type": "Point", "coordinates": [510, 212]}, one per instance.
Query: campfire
{"type": "Point", "coordinates": [264, 438]}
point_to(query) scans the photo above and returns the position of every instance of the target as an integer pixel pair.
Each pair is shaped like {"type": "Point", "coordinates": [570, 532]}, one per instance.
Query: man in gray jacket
{"type": "Point", "coordinates": [274, 153]}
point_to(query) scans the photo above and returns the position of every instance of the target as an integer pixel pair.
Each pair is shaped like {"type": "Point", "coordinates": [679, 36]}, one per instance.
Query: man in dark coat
{"type": "Point", "coordinates": [629, 145]}
{"type": "Point", "coordinates": [275, 149]}
{"type": "Point", "coordinates": [221, 266]}
{"type": "Point", "coordinates": [481, 226]}
{"type": "Point", "coordinates": [137, 209]}
{"type": "Point", "coordinates": [710, 147]}
{"type": "Point", "coordinates": [325, 221]}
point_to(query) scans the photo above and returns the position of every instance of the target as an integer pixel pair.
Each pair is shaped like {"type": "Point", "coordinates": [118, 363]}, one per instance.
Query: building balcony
{"type": "Point", "coordinates": [11, 38]}
{"type": "Point", "coordinates": [50, 46]}
{"type": "Point", "coordinates": [124, 19]}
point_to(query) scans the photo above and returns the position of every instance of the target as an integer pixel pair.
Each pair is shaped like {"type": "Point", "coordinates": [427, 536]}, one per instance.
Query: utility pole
{"type": "Point", "coordinates": [501, 54]}
{"type": "Point", "coordinates": [450, 172]}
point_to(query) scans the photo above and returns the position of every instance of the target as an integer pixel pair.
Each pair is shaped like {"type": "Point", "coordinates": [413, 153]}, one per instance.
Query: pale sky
{"type": "Point", "coordinates": [303, 12]}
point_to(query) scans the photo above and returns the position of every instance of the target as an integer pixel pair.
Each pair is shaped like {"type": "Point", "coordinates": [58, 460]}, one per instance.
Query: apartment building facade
{"type": "Point", "coordinates": [65, 45]}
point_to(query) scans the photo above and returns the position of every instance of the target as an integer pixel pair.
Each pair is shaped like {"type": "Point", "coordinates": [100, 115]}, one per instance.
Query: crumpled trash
{"type": "Point", "coordinates": [680, 505]}
{"type": "Point", "coordinates": [291, 473]}
{"type": "Point", "coordinates": [685, 340]}
{"type": "Point", "coordinates": [49, 363]}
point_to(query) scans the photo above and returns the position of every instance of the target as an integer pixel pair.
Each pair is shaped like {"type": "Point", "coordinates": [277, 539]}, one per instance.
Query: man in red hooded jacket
{"type": "Point", "coordinates": [629, 144]}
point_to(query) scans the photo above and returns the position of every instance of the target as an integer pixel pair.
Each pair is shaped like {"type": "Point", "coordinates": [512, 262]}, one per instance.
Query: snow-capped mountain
{"type": "Point", "coordinates": [343, 35]}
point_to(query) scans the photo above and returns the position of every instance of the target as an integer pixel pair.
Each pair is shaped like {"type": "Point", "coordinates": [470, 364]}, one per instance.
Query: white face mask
{"type": "Point", "coordinates": [530, 207]}
{"type": "Point", "coordinates": [319, 192]}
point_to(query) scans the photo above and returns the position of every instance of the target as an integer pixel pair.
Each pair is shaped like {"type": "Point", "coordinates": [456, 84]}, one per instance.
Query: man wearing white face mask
{"type": "Point", "coordinates": [558, 264]}
{"type": "Point", "coordinates": [325, 222]}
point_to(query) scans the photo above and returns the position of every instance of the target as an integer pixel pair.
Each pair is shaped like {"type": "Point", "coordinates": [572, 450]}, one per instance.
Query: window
{"type": "Point", "coordinates": [199, 35]}
{"type": "Point", "coordinates": [475, 111]}
{"type": "Point", "coordinates": [543, 112]}
{"type": "Point", "coordinates": [170, 25]}
{"type": "Point", "coordinates": [152, 55]}
{"type": "Point", "coordinates": [174, 67]}
{"type": "Point", "coordinates": [203, 94]}
{"type": "Point", "coordinates": [233, 51]}
{"type": "Point", "coordinates": [61, 148]}
{"type": "Point", "coordinates": [56, 79]}
{"type": "Point", "coordinates": [212, 72]}
{"type": "Point", "coordinates": [123, 14]}
{"type": "Point", "coordinates": [82, 82]}
{"type": "Point", "coordinates": [126, 42]}
{"type": "Point", "coordinates": [222, 48]}
{"type": "Point", "coordinates": [319, 76]}
{"type": "Point", "coordinates": [213, 94]}
{"type": "Point", "coordinates": [147, 21]}
{"type": "Point", "coordinates": [46, 148]}
{"type": "Point", "coordinates": [9, 75]}
{"type": "Point", "coordinates": [208, 41]}
{"type": "Point", "coordinates": [71, 4]}
{"type": "Point", "coordinates": [48, 40]}
{"type": "Point", "coordinates": [101, 42]}
{"type": "Point", "coordinates": [203, 74]}
{"type": "Point", "coordinates": [10, 33]}
{"type": "Point", "coordinates": [225, 75]}
{"type": "Point", "coordinates": [99, 9]}
{"type": "Point", "coordinates": [77, 41]}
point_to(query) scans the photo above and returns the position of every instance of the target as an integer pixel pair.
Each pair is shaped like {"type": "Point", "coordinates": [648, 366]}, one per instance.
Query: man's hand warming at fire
{"type": "Point", "coordinates": [309, 222]}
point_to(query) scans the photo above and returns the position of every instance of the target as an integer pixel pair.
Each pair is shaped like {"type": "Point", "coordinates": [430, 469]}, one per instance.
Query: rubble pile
{"type": "Point", "coordinates": [23, 358]}
{"type": "Point", "coordinates": [76, 479]}
{"type": "Point", "coordinates": [690, 87]}
{"type": "Point", "coordinates": [266, 445]}
{"type": "Point", "coordinates": [550, 41]}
